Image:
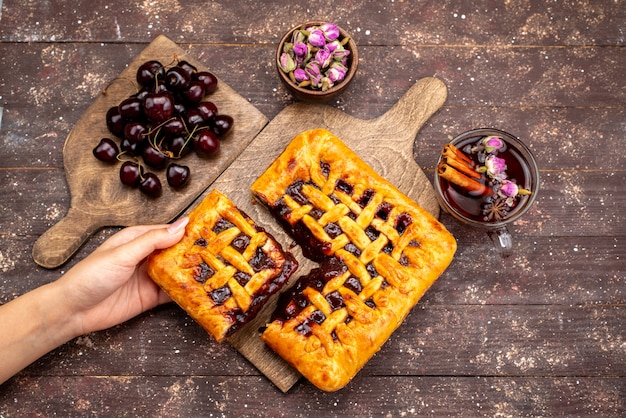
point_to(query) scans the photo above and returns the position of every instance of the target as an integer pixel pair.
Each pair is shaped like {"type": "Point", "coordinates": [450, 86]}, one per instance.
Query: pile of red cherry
{"type": "Point", "coordinates": [163, 122]}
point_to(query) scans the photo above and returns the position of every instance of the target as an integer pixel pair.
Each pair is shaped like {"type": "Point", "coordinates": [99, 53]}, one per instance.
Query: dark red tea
{"type": "Point", "coordinates": [504, 171]}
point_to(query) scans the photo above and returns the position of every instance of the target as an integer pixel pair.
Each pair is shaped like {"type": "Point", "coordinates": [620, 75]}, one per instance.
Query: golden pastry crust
{"type": "Point", "coordinates": [224, 268]}
{"type": "Point", "coordinates": [382, 252]}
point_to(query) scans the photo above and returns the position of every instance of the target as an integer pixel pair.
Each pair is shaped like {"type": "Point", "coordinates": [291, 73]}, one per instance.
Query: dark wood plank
{"type": "Point", "coordinates": [593, 198]}
{"type": "Point", "coordinates": [544, 271]}
{"type": "Point", "coordinates": [536, 22]}
{"type": "Point", "coordinates": [561, 114]}
{"type": "Point", "coordinates": [435, 340]}
{"type": "Point", "coordinates": [247, 396]}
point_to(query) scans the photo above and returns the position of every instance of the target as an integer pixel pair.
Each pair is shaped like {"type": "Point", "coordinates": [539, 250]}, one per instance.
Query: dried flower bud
{"type": "Point", "coordinates": [508, 189]}
{"type": "Point", "coordinates": [334, 45]}
{"type": "Point", "coordinates": [331, 31]}
{"type": "Point", "coordinates": [341, 54]}
{"type": "Point", "coordinates": [287, 63]}
{"type": "Point", "coordinates": [301, 49]}
{"type": "Point", "coordinates": [288, 47]}
{"type": "Point", "coordinates": [317, 38]}
{"type": "Point", "coordinates": [323, 56]}
{"type": "Point", "coordinates": [337, 72]}
{"type": "Point", "coordinates": [492, 143]}
{"type": "Point", "coordinates": [314, 73]}
{"type": "Point", "coordinates": [300, 75]}
{"type": "Point", "coordinates": [495, 167]}
{"type": "Point", "coordinates": [298, 37]}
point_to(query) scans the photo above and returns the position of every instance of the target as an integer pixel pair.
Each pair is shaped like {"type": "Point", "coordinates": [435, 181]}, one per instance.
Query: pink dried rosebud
{"type": "Point", "coordinates": [495, 167]}
{"type": "Point", "coordinates": [314, 73]}
{"type": "Point", "coordinates": [323, 56]}
{"type": "Point", "coordinates": [298, 37]}
{"type": "Point", "coordinates": [287, 64]}
{"type": "Point", "coordinates": [331, 31]}
{"type": "Point", "coordinates": [341, 54]}
{"type": "Point", "coordinates": [317, 38]}
{"type": "Point", "coordinates": [337, 72]}
{"type": "Point", "coordinates": [300, 75]}
{"type": "Point", "coordinates": [508, 189]}
{"type": "Point", "coordinates": [301, 49]}
{"type": "Point", "coordinates": [334, 45]}
{"type": "Point", "coordinates": [492, 143]}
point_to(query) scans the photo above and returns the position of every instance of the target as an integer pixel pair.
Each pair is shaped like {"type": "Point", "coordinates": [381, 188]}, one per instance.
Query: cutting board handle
{"type": "Point", "coordinates": [413, 109]}
{"type": "Point", "coordinates": [55, 246]}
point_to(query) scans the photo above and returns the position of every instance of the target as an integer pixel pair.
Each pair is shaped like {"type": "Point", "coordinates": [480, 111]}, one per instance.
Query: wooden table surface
{"type": "Point", "coordinates": [542, 333]}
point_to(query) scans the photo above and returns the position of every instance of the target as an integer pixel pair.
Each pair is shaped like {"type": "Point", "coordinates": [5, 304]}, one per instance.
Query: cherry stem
{"type": "Point", "coordinates": [119, 157]}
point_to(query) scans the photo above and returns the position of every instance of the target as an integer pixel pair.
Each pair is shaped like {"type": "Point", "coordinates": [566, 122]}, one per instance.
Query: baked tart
{"type": "Point", "coordinates": [378, 250]}
{"type": "Point", "coordinates": [224, 269]}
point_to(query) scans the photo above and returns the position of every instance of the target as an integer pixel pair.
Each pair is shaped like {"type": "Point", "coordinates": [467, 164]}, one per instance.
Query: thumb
{"type": "Point", "coordinates": [143, 245]}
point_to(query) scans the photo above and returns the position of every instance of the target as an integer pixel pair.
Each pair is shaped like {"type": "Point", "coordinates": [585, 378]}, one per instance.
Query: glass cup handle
{"type": "Point", "coordinates": [502, 240]}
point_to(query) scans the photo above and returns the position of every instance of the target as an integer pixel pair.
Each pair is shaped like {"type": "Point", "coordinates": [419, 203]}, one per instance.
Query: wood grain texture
{"type": "Point", "coordinates": [437, 396]}
{"type": "Point", "coordinates": [98, 197]}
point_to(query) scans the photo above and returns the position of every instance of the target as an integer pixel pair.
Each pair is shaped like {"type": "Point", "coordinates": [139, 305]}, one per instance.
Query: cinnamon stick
{"type": "Point", "coordinates": [461, 166]}
{"type": "Point", "coordinates": [449, 150]}
{"type": "Point", "coordinates": [447, 172]}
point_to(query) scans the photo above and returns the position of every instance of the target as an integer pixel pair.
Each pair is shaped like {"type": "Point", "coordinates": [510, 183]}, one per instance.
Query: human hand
{"type": "Point", "coordinates": [111, 285]}
{"type": "Point", "coordinates": [108, 287]}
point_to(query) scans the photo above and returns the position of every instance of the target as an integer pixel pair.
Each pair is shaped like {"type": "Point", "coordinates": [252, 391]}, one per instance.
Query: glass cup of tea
{"type": "Point", "coordinates": [487, 178]}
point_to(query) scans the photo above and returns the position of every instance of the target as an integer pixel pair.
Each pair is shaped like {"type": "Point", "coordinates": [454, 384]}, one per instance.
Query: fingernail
{"type": "Point", "coordinates": [178, 225]}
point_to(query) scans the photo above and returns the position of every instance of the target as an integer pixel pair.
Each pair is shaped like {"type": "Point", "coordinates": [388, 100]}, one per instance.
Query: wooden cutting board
{"type": "Point", "coordinates": [385, 143]}
{"type": "Point", "coordinates": [98, 199]}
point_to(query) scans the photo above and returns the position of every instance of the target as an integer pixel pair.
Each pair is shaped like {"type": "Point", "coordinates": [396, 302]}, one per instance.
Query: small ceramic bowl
{"type": "Point", "coordinates": [317, 95]}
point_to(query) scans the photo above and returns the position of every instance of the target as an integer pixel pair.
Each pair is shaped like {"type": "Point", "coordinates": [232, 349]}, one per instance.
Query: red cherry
{"type": "Point", "coordinates": [179, 146]}
{"type": "Point", "coordinates": [153, 157]}
{"type": "Point", "coordinates": [177, 78]}
{"type": "Point", "coordinates": [174, 127]}
{"type": "Point", "coordinates": [136, 132]}
{"type": "Point", "coordinates": [207, 109]}
{"type": "Point", "coordinates": [194, 93]}
{"type": "Point", "coordinates": [131, 108]}
{"type": "Point", "coordinates": [130, 173]}
{"type": "Point", "coordinates": [208, 80]}
{"type": "Point", "coordinates": [151, 185]}
{"type": "Point", "coordinates": [222, 124]}
{"type": "Point", "coordinates": [192, 118]}
{"type": "Point", "coordinates": [148, 72]}
{"type": "Point", "coordinates": [206, 143]}
{"type": "Point", "coordinates": [158, 107]}
{"type": "Point", "coordinates": [115, 121]}
{"type": "Point", "coordinates": [177, 175]}
{"type": "Point", "coordinates": [132, 148]}
{"type": "Point", "coordinates": [189, 68]}
{"type": "Point", "coordinates": [106, 150]}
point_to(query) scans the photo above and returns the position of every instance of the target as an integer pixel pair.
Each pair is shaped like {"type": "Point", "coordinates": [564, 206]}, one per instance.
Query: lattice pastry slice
{"type": "Point", "coordinates": [380, 253]}
{"type": "Point", "coordinates": [224, 269]}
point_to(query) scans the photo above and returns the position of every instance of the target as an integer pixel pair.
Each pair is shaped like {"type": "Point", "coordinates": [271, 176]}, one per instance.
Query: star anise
{"type": "Point", "coordinates": [496, 210]}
